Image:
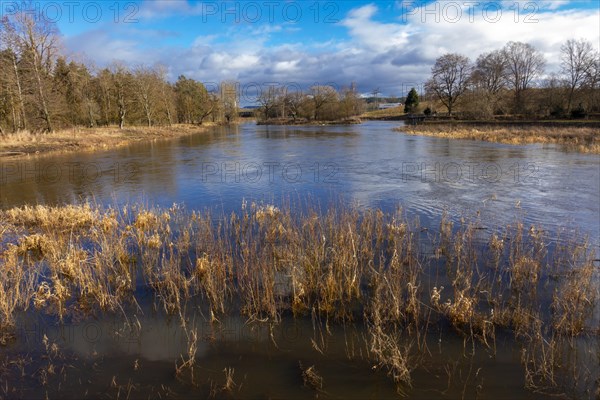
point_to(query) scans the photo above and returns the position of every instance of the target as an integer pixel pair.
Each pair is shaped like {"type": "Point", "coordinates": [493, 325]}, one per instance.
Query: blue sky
{"type": "Point", "coordinates": [387, 44]}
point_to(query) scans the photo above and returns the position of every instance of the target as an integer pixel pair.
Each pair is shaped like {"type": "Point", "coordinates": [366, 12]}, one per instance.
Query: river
{"type": "Point", "coordinates": [368, 166]}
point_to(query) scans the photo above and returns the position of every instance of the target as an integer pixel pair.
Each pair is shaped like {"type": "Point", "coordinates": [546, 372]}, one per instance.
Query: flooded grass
{"type": "Point", "coordinates": [372, 286]}
{"type": "Point", "coordinates": [23, 143]}
{"type": "Point", "coordinates": [581, 139]}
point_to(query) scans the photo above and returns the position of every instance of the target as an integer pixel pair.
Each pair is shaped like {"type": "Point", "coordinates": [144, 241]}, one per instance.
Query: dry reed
{"type": "Point", "coordinates": [581, 139]}
{"type": "Point", "coordinates": [341, 266]}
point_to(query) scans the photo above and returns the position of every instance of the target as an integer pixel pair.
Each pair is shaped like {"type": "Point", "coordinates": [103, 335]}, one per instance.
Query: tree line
{"type": "Point", "coordinates": [512, 80]}
{"type": "Point", "coordinates": [319, 103]}
{"type": "Point", "coordinates": [41, 91]}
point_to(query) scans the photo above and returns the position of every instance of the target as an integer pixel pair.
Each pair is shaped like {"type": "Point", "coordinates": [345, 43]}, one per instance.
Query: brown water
{"type": "Point", "coordinates": [266, 359]}
{"type": "Point", "coordinates": [369, 165]}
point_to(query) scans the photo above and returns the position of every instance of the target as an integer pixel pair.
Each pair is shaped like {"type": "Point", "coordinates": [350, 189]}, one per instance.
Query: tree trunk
{"type": "Point", "coordinates": [570, 99]}
{"type": "Point", "coordinates": [147, 111]}
{"type": "Point", "coordinates": [40, 91]}
{"type": "Point", "coordinates": [169, 118]}
{"type": "Point", "coordinates": [15, 126]}
{"type": "Point", "coordinates": [167, 108]}
{"type": "Point", "coordinates": [91, 114]}
{"type": "Point", "coordinates": [121, 117]}
{"type": "Point", "coordinates": [122, 110]}
{"type": "Point", "coordinates": [23, 120]}
{"type": "Point", "coordinates": [106, 107]}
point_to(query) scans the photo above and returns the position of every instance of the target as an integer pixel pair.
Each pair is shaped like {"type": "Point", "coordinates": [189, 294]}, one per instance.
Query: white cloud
{"type": "Point", "coordinates": [374, 35]}
{"type": "Point", "coordinates": [101, 47]}
{"type": "Point", "coordinates": [394, 56]}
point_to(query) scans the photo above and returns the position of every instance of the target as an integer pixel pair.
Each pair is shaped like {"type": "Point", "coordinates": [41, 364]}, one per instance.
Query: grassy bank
{"type": "Point", "coordinates": [395, 113]}
{"type": "Point", "coordinates": [580, 138]}
{"type": "Point", "coordinates": [25, 143]}
{"type": "Point", "coordinates": [341, 267]}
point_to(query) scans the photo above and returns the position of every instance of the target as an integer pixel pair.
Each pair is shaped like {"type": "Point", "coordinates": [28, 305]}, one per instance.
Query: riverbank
{"type": "Point", "coordinates": [389, 114]}
{"type": "Point", "coordinates": [25, 143]}
{"type": "Point", "coordinates": [584, 138]}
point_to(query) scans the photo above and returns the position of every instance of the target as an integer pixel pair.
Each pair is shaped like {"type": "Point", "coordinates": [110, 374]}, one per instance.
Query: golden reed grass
{"type": "Point", "coordinates": [581, 139]}
{"type": "Point", "coordinates": [23, 143]}
{"type": "Point", "coordinates": [339, 267]}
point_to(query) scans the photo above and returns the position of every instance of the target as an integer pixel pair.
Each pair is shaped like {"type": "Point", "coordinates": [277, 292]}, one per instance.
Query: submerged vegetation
{"type": "Point", "coordinates": [378, 270]}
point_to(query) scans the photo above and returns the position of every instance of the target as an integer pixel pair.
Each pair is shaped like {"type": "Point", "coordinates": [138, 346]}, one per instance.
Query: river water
{"type": "Point", "coordinates": [367, 165]}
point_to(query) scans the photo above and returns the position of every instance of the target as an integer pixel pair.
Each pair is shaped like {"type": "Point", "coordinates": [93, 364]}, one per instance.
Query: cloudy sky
{"type": "Point", "coordinates": [389, 45]}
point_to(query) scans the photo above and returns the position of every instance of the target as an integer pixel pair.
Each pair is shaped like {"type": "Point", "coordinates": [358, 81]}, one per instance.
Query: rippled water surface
{"type": "Point", "coordinates": [369, 165]}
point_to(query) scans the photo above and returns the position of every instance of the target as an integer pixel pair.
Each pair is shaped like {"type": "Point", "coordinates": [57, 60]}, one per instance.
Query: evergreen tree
{"type": "Point", "coordinates": [412, 101]}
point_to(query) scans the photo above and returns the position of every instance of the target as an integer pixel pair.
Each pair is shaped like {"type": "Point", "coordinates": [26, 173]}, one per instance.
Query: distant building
{"type": "Point", "coordinates": [384, 106]}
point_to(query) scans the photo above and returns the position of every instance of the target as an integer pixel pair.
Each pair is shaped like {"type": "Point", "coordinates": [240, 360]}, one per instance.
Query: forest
{"type": "Point", "coordinates": [41, 90]}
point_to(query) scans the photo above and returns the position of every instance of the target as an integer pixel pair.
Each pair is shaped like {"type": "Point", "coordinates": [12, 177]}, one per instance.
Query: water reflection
{"type": "Point", "coordinates": [367, 164]}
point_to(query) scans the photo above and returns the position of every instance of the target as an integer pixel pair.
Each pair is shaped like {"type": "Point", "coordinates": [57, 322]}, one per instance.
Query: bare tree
{"type": "Point", "coordinates": [36, 41]}
{"type": "Point", "coordinates": [121, 78]}
{"type": "Point", "coordinates": [193, 101]}
{"type": "Point", "coordinates": [576, 61]}
{"type": "Point", "coordinates": [293, 102]}
{"type": "Point", "coordinates": [490, 77]}
{"type": "Point", "coordinates": [525, 64]}
{"type": "Point", "coordinates": [322, 95]}
{"type": "Point", "coordinates": [90, 106]}
{"type": "Point", "coordinates": [351, 103]}
{"type": "Point", "coordinates": [166, 92]}
{"type": "Point", "coordinates": [450, 79]}
{"type": "Point", "coordinates": [268, 100]}
{"type": "Point", "coordinates": [491, 72]}
{"type": "Point", "coordinates": [550, 98]}
{"type": "Point", "coordinates": [12, 77]}
{"type": "Point", "coordinates": [104, 94]}
{"type": "Point", "coordinates": [8, 103]}
{"type": "Point", "coordinates": [146, 84]}
{"type": "Point", "coordinates": [229, 96]}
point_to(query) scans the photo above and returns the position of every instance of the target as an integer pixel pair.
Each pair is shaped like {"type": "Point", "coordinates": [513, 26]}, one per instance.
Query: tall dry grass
{"type": "Point", "coordinates": [342, 266]}
{"type": "Point", "coordinates": [87, 139]}
{"type": "Point", "coordinates": [581, 139]}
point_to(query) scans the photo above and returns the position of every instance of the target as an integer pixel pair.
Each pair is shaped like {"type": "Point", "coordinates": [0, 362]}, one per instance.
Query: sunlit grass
{"type": "Point", "coordinates": [582, 139]}
{"type": "Point", "coordinates": [87, 139]}
{"type": "Point", "coordinates": [342, 267]}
